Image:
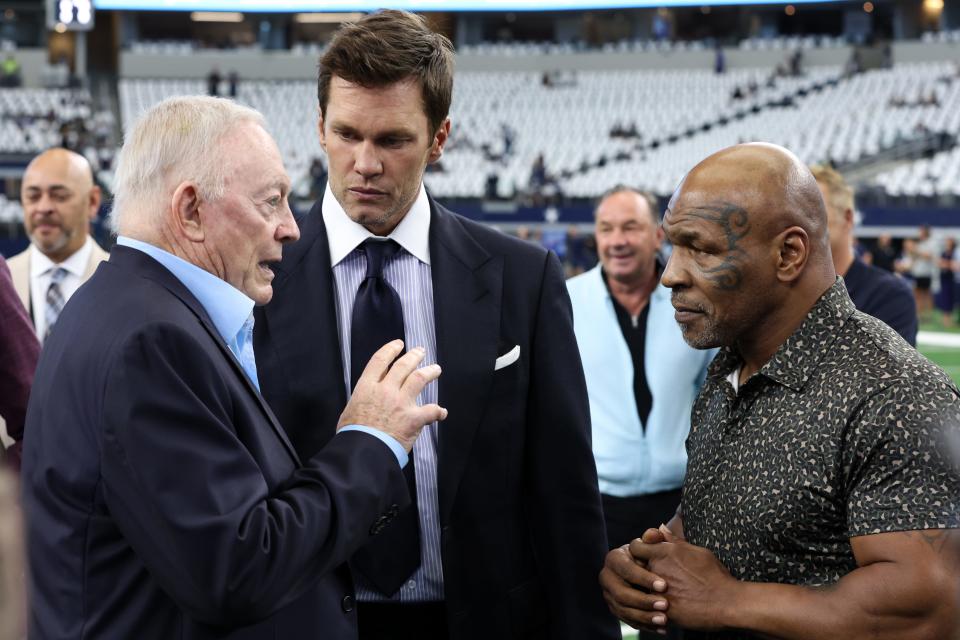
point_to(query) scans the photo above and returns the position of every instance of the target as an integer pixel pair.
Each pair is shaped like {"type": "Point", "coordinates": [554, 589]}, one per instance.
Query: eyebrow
{"type": "Point", "coordinates": [53, 187]}
{"type": "Point", "coordinates": [56, 187]}
{"type": "Point", "coordinates": [345, 128]}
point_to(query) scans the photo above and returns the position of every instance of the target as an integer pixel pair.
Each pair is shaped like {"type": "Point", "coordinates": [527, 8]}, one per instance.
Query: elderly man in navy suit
{"type": "Point", "coordinates": [162, 497]}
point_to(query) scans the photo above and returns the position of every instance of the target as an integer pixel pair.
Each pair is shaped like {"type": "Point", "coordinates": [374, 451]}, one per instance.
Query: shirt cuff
{"type": "Point", "coordinates": [388, 440]}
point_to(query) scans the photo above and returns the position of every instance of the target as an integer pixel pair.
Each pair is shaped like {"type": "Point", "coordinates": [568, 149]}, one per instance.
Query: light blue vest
{"type": "Point", "coordinates": [630, 461]}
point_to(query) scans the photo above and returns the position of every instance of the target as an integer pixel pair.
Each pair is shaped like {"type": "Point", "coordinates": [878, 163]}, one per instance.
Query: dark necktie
{"type": "Point", "coordinates": [55, 300]}
{"type": "Point", "coordinates": [389, 558]}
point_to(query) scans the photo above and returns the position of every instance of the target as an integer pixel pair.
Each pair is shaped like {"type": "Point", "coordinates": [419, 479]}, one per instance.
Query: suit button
{"type": "Point", "coordinates": [394, 510]}
{"type": "Point", "coordinates": [347, 604]}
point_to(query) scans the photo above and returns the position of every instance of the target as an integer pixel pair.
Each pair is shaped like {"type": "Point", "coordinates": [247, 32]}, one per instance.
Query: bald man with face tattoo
{"type": "Point", "coordinates": [819, 501]}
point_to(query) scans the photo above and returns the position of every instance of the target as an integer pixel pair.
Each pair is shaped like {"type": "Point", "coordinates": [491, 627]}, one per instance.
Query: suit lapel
{"type": "Point", "coordinates": [467, 287]}
{"type": "Point", "coordinates": [304, 297]}
{"type": "Point", "coordinates": [153, 270]}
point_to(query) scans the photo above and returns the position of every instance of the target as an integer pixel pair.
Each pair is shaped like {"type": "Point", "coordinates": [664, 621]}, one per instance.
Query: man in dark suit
{"type": "Point", "coordinates": [162, 497]}
{"type": "Point", "coordinates": [505, 537]}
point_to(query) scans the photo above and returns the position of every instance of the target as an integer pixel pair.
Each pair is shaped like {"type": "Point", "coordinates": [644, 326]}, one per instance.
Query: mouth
{"type": "Point", "coordinates": [365, 194]}
{"type": "Point", "coordinates": [46, 226]}
{"type": "Point", "coordinates": [266, 267]}
{"type": "Point", "coordinates": [685, 312]}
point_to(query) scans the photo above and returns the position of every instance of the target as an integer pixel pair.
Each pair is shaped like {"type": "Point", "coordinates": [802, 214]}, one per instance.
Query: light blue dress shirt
{"type": "Point", "coordinates": [231, 312]}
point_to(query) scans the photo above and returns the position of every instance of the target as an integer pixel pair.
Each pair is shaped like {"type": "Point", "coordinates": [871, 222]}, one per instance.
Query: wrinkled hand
{"type": "Point", "coordinates": [385, 397]}
{"type": "Point", "coordinates": [699, 586]}
{"type": "Point", "coordinates": [634, 593]}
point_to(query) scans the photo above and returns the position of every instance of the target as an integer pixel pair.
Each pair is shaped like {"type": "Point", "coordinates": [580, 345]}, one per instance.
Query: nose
{"type": "Point", "coordinates": [288, 230]}
{"type": "Point", "coordinates": [674, 274]}
{"type": "Point", "coordinates": [43, 204]}
{"type": "Point", "coordinates": [367, 162]}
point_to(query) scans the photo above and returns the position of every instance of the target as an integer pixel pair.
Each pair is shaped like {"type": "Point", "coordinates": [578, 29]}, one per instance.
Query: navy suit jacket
{"type": "Point", "coordinates": [163, 499]}
{"type": "Point", "coordinates": [522, 534]}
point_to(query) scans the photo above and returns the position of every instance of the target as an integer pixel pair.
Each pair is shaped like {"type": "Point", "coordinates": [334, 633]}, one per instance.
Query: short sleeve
{"type": "Point", "coordinates": [900, 470]}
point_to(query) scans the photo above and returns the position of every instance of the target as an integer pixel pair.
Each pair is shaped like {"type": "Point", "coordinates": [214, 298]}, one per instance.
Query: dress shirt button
{"type": "Point", "coordinates": [347, 604]}
{"type": "Point", "coordinates": [411, 584]}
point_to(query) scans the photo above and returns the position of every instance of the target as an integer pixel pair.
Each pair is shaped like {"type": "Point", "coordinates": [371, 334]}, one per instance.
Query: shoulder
{"type": "Point", "coordinates": [98, 254]}
{"type": "Point", "coordinates": [884, 363]}
{"type": "Point", "coordinates": [491, 239]}
{"type": "Point", "coordinates": [873, 289]}
{"type": "Point", "coordinates": [586, 283]}
{"type": "Point", "coordinates": [19, 261]}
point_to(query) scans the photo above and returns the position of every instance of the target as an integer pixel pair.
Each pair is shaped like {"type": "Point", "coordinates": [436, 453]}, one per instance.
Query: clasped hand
{"type": "Point", "coordinates": [661, 578]}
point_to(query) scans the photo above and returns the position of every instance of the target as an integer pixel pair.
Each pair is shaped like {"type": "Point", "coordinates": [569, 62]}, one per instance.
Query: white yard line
{"type": "Point", "coordinates": [938, 339]}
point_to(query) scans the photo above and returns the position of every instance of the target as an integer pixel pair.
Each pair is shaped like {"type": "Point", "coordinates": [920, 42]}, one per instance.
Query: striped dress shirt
{"type": "Point", "coordinates": [409, 274]}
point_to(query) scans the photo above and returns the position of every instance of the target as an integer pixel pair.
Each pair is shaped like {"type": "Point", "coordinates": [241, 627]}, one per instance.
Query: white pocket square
{"type": "Point", "coordinates": [507, 359]}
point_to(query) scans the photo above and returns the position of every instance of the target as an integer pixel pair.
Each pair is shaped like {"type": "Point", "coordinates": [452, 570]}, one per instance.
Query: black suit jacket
{"type": "Point", "coordinates": [163, 499]}
{"type": "Point", "coordinates": [521, 525]}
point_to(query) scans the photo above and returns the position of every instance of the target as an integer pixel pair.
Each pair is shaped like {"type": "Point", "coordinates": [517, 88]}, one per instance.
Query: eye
{"type": "Point", "coordinates": [393, 141]}
{"type": "Point", "coordinates": [275, 201]}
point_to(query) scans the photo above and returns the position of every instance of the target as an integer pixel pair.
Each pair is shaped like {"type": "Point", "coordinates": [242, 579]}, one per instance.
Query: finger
{"type": "Point", "coordinates": [419, 379]}
{"type": "Point", "coordinates": [644, 552]}
{"type": "Point", "coordinates": [668, 536]}
{"type": "Point", "coordinates": [429, 413]}
{"type": "Point", "coordinates": [380, 361]}
{"type": "Point", "coordinates": [644, 617]}
{"type": "Point", "coordinates": [653, 536]}
{"type": "Point", "coordinates": [621, 564]}
{"type": "Point", "coordinates": [404, 366]}
{"type": "Point", "coordinates": [629, 596]}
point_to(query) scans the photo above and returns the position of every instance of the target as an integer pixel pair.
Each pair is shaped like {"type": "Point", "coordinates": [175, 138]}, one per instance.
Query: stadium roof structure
{"type": "Point", "coordinates": [283, 6]}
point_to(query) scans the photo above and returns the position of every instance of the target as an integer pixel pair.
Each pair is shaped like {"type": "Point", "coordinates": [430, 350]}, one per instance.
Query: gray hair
{"type": "Point", "coordinates": [174, 141]}
{"type": "Point", "coordinates": [645, 195]}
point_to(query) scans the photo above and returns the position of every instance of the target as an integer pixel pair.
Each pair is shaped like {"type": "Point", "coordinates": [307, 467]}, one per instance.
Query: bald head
{"type": "Point", "coordinates": [752, 253]}
{"type": "Point", "coordinates": [768, 181]}
{"type": "Point", "coordinates": [59, 201]}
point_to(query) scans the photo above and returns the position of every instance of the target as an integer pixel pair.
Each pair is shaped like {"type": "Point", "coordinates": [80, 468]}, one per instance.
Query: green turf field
{"type": "Point", "coordinates": [946, 357]}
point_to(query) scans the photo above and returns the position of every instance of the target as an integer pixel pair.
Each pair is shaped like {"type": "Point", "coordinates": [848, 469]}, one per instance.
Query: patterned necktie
{"type": "Point", "coordinates": [55, 300]}
{"type": "Point", "coordinates": [389, 558]}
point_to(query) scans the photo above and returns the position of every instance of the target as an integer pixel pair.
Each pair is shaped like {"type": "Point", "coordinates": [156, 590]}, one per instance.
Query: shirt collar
{"type": "Point", "coordinates": [76, 264]}
{"type": "Point", "coordinates": [345, 235]}
{"type": "Point", "coordinates": [227, 306]}
{"type": "Point", "coordinates": [800, 354]}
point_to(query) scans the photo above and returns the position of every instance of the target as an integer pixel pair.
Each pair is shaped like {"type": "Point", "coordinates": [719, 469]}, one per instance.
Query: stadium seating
{"type": "Point", "coordinates": [678, 120]}
{"type": "Point", "coordinates": [30, 119]}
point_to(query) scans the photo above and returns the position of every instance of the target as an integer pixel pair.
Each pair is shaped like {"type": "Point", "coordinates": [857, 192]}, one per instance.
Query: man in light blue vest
{"type": "Point", "coordinates": [642, 378]}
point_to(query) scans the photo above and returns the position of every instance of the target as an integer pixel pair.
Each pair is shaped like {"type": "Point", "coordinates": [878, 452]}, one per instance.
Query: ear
{"type": "Point", "coordinates": [185, 212]}
{"type": "Point", "coordinates": [794, 251]}
{"type": "Point", "coordinates": [439, 140]}
{"type": "Point", "coordinates": [323, 137]}
{"type": "Point", "coordinates": [660, 235]}
{"type": "Point", "coordinates": [94, 204]}
{"type": "Point", "coordinates": [848, 218]}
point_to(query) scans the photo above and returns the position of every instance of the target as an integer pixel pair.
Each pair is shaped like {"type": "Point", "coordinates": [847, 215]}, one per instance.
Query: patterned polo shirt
{"type": "Point", "coordinates": [844, 432]}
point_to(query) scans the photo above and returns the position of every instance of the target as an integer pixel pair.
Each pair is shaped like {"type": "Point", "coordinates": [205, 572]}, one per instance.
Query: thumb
{"type": "Point", "coordinates": [668, 536]}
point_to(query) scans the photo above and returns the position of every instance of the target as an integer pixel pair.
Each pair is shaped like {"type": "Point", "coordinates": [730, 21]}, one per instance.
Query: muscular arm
{"type": "Point", "coordinates": [907, 587]}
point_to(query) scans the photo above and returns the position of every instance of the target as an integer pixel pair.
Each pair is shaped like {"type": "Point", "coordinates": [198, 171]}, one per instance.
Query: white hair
{"type": "Point", "coordinates": [174, 141]}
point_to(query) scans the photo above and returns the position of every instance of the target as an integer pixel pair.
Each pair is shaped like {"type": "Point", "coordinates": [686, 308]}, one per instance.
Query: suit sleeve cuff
{"type": "Point", "coordinates": [390, 441]}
